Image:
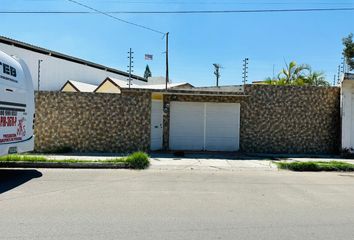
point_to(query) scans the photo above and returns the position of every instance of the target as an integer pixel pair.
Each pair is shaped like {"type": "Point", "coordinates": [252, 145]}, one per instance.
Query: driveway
{"type": "Point", "coordinates": [209, 162]}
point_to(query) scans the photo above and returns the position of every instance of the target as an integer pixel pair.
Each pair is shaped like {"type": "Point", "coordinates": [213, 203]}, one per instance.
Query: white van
{"type": "Point", "coordinates": [16, 106]}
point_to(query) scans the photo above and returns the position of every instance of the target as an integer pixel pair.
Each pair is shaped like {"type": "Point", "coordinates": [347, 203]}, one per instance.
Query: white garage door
{"type": "Point", "coordinates": [204, 126]}
{"type": "Point", "coordinates": [186, 126]}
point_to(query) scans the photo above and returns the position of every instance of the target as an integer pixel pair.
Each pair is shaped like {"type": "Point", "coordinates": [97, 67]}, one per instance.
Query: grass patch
{"type": "Point", "coordinates": [22, 158]}
{"type": "Point", "coordinates": [331, 166]}
{"type": "Point", "coordinates": [138, 160]}
{"type": "Point", "coordinates": [33, 158]}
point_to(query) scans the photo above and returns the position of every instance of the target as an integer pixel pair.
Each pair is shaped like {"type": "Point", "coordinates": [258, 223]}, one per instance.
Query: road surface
{"type": "Point", "coordinates": [175, 204]}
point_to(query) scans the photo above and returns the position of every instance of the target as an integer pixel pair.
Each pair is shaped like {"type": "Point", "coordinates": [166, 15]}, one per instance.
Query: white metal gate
{"type": "Point", "coordinates": [204, 126]}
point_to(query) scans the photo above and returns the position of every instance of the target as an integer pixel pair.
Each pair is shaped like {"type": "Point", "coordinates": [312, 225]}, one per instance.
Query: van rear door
{"type": "Point", "coordinates": [16, 106]}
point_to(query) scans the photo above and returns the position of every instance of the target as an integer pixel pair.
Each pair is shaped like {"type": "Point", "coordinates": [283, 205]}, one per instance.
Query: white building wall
{"type": "Point", "coordinates": [157, 80]}
{"type": "Point", "coordinates": [55, 71]}
{"type": "Point", "coordinates": [347, 98]}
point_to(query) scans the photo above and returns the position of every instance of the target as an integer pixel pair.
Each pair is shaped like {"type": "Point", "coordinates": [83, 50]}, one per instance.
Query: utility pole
{"type": "Point", "coordinates": [130, 57]}
{"type": "Point", "coordinates": [167, 77]}
{"type": "Point", "coordinates": [217, 73]}
{"type": "Point", "coordinates": [39, 74]}
{"type": "Point", "coordinates": [245, 70]}
{"type": "Point", "coordinates": [334, 80]}
{"type": "Point", "coordinates": [338, 79]}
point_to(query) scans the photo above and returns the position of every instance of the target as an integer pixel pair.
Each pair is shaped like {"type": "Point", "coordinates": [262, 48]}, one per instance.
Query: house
{"type": "Point", "coordinates": [347, 111]}
{"type": "Point", "coordinates": [75, 86]}
{"type": "Point", "coordinates": [113, 85]}
{"type": "Point", "coordinates": [56, 68]}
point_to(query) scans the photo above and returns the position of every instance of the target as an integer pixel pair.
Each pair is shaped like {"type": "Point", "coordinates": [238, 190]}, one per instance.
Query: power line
{"type": "Point", "coordinates": [108, 13]}
{"type": "Point", "coordinates": [134, 24]}
{"type": "Point", "coordinates": [212, 2]}
{"type": "Point", "coordinates": [236, 11]}
{"type": "Point", "coordinates": [119, 19]}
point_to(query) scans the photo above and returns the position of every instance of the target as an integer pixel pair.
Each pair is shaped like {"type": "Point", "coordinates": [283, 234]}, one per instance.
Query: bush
{"type": "Point", "coordinates": [138, 160]}
{"type": "Point", "coordinates": [316, 166]}
{"type": "Point", "coordinates": [299, 166]}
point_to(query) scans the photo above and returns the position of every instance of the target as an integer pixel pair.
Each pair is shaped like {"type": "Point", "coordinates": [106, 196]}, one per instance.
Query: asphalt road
{"type": "Point", "coordinates": [185, 204]}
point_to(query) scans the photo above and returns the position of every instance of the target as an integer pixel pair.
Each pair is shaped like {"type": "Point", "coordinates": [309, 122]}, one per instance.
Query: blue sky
{"type": "Point", "coordinates": [196, 41]}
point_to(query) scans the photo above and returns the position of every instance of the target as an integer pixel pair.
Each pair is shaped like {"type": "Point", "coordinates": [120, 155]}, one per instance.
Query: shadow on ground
{"type": "Point", "coordinates": [12, 178]}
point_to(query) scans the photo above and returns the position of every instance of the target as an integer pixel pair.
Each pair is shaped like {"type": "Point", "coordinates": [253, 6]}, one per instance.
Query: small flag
{"type": "Point", "coordinates": [148, 56]}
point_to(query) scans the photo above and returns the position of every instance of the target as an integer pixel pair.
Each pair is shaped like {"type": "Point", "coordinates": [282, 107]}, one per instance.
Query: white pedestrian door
{"type": "Point", "coordinates": [204, 126]}
{"type": "Point", "coordinates": [156, 124]}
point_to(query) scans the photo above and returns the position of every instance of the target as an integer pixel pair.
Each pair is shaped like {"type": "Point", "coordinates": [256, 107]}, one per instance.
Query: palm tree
{"type": "Point", "coordinates": [293, 73]}
{"type": "Point", "coordinates": [317, 79]}
{"type": "Point", "coordinates": [298, 75]}
{"type": "Point", "coordinates": [270, 81]}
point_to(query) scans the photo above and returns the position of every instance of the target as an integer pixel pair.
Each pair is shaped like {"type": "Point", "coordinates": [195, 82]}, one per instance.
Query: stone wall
{"type": "Point", "coordinates": [274, 119]}
{"type": "Point", "coordinates": [281, 119]}
{"type": "Point", "coordinates": [93, 122]}
{"type": "Point", "coordinates": [290, 119]}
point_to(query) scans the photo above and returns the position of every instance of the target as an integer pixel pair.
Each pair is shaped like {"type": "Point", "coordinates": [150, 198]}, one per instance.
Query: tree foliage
{"type": "Point", "coordinates": [147, 72]}
{"type": "Point", "coordinates": [298, 75]}
{"type": "Point", "coordinates": [317, 79]}
{"type": "Point", "coordinates": [349, 51]}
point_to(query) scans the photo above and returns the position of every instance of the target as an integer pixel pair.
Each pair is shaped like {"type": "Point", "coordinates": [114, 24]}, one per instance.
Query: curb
{"type": "Point", "coordinates": [93, 165]}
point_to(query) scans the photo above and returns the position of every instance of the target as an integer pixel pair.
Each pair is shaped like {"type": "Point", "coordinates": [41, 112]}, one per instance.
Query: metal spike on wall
{"type": "Point", "coordinates": [39, 74]}
{"type": "Point", "coordinates": [343, 65]}
{"type": "Point", "coordinates": [130, 67]}
{"type": "Point", "coordinates": [339, 74]}
{"type": "Point", "coordinates": [245, 70]}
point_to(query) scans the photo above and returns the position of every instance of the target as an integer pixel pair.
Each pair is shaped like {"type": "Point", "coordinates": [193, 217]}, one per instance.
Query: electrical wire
{"type": "Point", "coordinates": [108, 13]}
{"type": "Point", "coordinates": [116, 18]}
{"type": "Point", "coordinates": [210, 2]}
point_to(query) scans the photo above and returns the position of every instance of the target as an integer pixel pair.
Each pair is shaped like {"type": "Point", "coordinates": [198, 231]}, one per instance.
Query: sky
{"type": "Point", "coordinates": [196, 40]}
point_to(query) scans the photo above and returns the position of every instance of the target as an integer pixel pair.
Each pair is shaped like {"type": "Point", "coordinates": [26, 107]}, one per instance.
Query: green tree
{"type": "Point", "coordinates": [349, 51]}
{"type": "Point", "coordinates": [147, 72]}
{"type": "Point", "coordinates": [293, 74]}
{"type": "Point", "coordinates": [272, 81]}
{"type": "Point", "coordinates": [317, 79]}
{"type": "Point", "coordinates": [298, 75]}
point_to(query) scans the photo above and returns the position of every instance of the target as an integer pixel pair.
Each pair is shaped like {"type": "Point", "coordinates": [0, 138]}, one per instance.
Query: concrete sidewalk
{"type": "Point", "coordinates": [190, 162]}
{"type": "Point", "coordinates": [204, 161]}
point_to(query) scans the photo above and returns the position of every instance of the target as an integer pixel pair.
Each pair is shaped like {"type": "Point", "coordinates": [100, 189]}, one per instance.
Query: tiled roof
{"type": "Point", "coordinates": [83, 87]}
